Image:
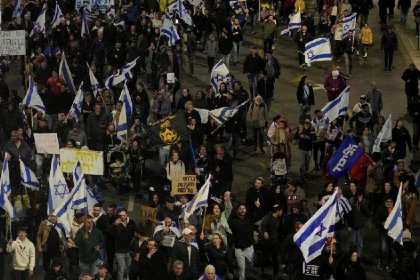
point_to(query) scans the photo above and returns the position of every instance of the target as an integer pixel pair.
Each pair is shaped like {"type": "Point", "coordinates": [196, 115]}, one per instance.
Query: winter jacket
{"type": "Point", "coordinates": [264, 197]}
{"type": "Point", "coordinates": [389, 41]}
{"type": "Point", "coordinates": [87, 251]}
{"type": "Point", "coordinates": [253, 64]}
{"type": "Point", "coordinates": [243, 228]}
{"type": "Point", "coordinates": [123, 236]}
{"type": "Point", "coordinates": [225, 45]}
{"type": "Point", "coordinates": [23, 254]}
{"type": "Point", "coordinates": [306, 139]}
{"type": "Point", "coordinates": [366, 37]}
{"type": "Point", "coordinates": [300, 94]}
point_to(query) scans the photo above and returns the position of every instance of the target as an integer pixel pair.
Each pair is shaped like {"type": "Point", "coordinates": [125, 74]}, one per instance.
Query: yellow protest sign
{"type": "Point", "coordinates": [184, 184]}
{"type": "Point", "coordinates": [92, 162]}
{"type": "Point", "coordinates": [148, 213]}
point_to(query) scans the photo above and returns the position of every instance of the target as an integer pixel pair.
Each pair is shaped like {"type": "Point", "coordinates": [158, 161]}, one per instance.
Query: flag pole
{"type": "Point", "coordinates": [204, 219]}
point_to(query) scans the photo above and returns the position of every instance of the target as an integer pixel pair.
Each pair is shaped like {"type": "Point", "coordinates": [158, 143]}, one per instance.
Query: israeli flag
{"type": "Point", "coordinates": [122, 127]}
{"type": "Point", "coordinates": [39, 24]}
{"type": "Point", "coordinates": [95, 86]}
{"type": "Point", "coordinates": [77, 172]}
{"type": "Point", "coordinates": [337, 107]}
{"type": "Point", "coordinates": [219, 74]}
{"type": "Point", "coordinates": [345, 158]}
{"type": "Point", "coordinates": [317, 50]}
{"type": "Point", "coordinates": [294, 23]}
{"type": "Point", "coordinates": [5, 185]}
{"type": "Point", "coordinates": [58, 189]}
{"type": "Point", "coordinates": [6, 204]}
{"type": "Point", "coordinates": [85, 26]}
{"type": "Point", "coordinates": [18, 10]}
{"type": "Point", "coordinates": [76, 108]}
{"type": "Point", "coordinates": [222, 115]}
{"type": "Point", "coordinates": [58, 16]}
{"type": "Point", "coordinates": [32, 98]}
{"type": "Point", "coordinates": [384, 135]}
{"type": "Point", "coordinates": [311, 237]}
{"type": "Point", "coordinates": [349, 23]}
{"type": "Point", "coordinates": [179, 7]}
{"type": "Point", "coordinates": [394, 222]}
{"type": "Point", "coordinates": [125, 97]}
{"type": "Point", "coordinates": [168, 29]}
{"type": "Point", "coordinates": [64, 71]}
{"type": "Point", "coordinates": [121, 75]}
{"type": "Point", "coordinates": [27, 177]}
{"type": "Point", "coordinates": [110, 12]}
{"type": "Point", "coordinates": [199, 200]}
{"type": "Point", "coordinates": [90, 200]}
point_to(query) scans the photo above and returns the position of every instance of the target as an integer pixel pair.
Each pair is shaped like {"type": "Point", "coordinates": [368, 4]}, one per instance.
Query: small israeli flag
{"type": "Point", "coordinates": [222, 115]}
{"type": "Point", "coordinates": [76, 107]}
{"type": "Point", "coordinates": [394, 222]}
{"type": "Point", "coordinates": [168, 29]}
{"type": "Point", "coordinates": [294, 23]}
{"type": "Point", "coordinates": [337, 107]}
{"type": "Point", "coordinates": [95, 86]}
{"type": "Point", "coordinates": [349, 23]}
{"type": "Point", "coordinates": [122, 74]}
{"type": "Point", "coordinates": [57, 190]}
{"type": "Point", "coordinates": [27, 177]}
{"type": "Point", "coordinates": [219, 74]}
{"type": "Point", "coordinates": [384, 135]}
{"type": "Point", "coordinates": [32, 98]}
{"type": "Point", "coordinates": [5, 185]}
{"type": "Point", "coordinates": [18, 10]}
{"type": "Point", "coordinates": [58, 15]}
{"type": "Point", "coordinates": [317, 50]}
{"type": "Point", "coordinates": [122, 127]}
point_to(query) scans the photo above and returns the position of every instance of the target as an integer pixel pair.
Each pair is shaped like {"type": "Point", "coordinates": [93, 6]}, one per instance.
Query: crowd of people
{"type": "Point", "coordinates": [219, 243]}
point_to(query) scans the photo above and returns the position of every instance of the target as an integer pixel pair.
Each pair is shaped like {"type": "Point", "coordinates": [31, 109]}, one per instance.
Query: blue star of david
{"type": "Point", "coordinates": [346, 27]}
{"type": "Point", "coordinates": [60, 189]}
{"type": "Point", "coordinates": [4, 186]}
{"type": "Point", "coordinates": [321, 229]}
{"type": "Point", "coordinates": [219, 78]}
{"type": "Point", "coordinates": [311, 54]}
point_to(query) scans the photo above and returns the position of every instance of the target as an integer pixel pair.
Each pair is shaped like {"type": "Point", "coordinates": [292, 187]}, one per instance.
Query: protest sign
{"type": "Point", "coordinates": [168, 241]}
{"type": "Point", "coordinates": [47, 143]}
{"type": "Point", "coordinates": [91, 161]}
{"type": "Point", "coordinates": [184, 184]}
{"type": "Point", "coordinates": [12, 42]}
{"type": "Point", "coordinates": [103, 5]}
{"type": "Point", "coordinates": [148, 213]}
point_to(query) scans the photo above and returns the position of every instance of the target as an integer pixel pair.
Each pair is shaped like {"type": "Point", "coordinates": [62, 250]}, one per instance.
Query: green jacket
{"type": "Point", "coordinates": [268, 30]}
{"type": "Point", "coordinates": [87, 251]}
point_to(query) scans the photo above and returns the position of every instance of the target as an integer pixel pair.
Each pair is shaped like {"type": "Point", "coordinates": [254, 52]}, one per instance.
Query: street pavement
{"type": "Point", "coordinates": [257, 164]}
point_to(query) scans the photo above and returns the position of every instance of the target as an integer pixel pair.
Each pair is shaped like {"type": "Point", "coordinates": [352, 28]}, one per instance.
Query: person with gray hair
{"type": "Point", "coordinates": [210, 274]}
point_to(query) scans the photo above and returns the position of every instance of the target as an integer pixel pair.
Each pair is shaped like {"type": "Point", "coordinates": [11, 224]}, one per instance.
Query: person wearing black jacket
{"type": "Point", "coordinates": [3, 243]}
{"type": "Point", "coordinates": [305, 94]}
{"type": "Point", "coordinates": [56, 272]}
{"type": "Point", "coordinates": [265, 88]}
{"type": "Point", "coordinates": [389, 43]}
{"type": "Point", "coordinates": [363, 119]}
{"type": "Point", "coordinates": [402, 138]}
{"type": "Point", "coordinates": [292, 257]}
{"type": "Point", "coordinates": [252, 67]}
{"type": "Point", "coordinates": [350, 46]}
{"type": "Point", "coordinates": [411, 77]}
{"type": "Point", "coordinates": [225, 47]}
{"type": "Point", "coordinates": [414, 110]}
{"type": "Point", "coordinates": [153, 262]}
{"type": "Point", "coordinates": [307, 138]}
{"type": "Point", "coordinates": [188, 253]}
{"type": "Point", "coordinates": [218, 255]}
{"type": "Point", "coordinates": [258, 193]}
{"type": "Point", "coordinates": [301, 38]}
{"type": "Point", "coordinates": [242, 226]}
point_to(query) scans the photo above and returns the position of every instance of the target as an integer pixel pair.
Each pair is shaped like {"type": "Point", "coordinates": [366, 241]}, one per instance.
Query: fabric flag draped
{"type": "Point", "coordinates": [85, 26]}
{"type": "Point", "coordinates": [64, 71]}
{"type": "Point", "coordinates": [5, 189]}
{"type": "Point", "coordinates": [122, 127]}
{"type": "Point", "coordinates": [199, 200]}
{"type": "Point", "coordinates": [39, 24]}
{"type": "Point", "coordinates": [238, 10]}
{"type": "Point", "coordinates": [223, 114]}
{"type": "Point", "coordinates": [32, 98]}
{"type": "Point", "coordinates": [76, 107]}
{"type": "Point", "coordinates": [349, 23]}
{"type": "Point", "coordinates": [219, 74]}
{"type": "Point", "coordinates": [17, 11]}
{"type": "Point", "coordinates": [121, 75]}
{"type": "Point", "coordinates": [94, 84]}
{"type": "Point", "coordinates": [126, 99]}
{"type": "Point", "coordinates": [337, 107]}
{"type": "Point", "coordinates": [317, 50]}
{"type": "Point", "coordinates": [394, 222]}
{"type": "Point", "coordinates": [384, 135]}
{"type": "Point", "coordinates": [58, 16]}
{"type": "Point", "coordinates": [173, 228]}
{"type": "Point", "coordinates": [168, 29]}
{"type": "Point", "coordinates": [345, 158]}
{"type": "Point", "coordinates": [294, 23]}
{"type": "Point", "coordinates": [311, 237]}
{"type": "Point", "coordinates": [179, 7]}
{"type": "Point", "coordinates": [27, 177]}
{"type": "Point", "coordinates": [58, 189]}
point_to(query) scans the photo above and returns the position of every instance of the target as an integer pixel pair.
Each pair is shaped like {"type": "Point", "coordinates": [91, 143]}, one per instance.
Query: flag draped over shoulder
{"type": "Point", "coordinates": [344, 158]}
{"type": "Point", "coordinates": [394, 222]}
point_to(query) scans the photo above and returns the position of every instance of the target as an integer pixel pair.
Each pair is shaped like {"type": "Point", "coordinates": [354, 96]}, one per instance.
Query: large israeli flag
{"type": "Point", "coordinates": [384, 135]}
{"type": "Point", "coordinates": [295, 22]}
{"type": "Point", "coordinates": [58, 15]}
{"type": "Point", "coordinates": [5, 185]}
{"type": "Point", "coordinates": [311, 237]}
{"type": "Point", "coordinates": [121, 75]}
{"type": "Point", "coordinates": [27, 177]}
{"type": "Point", "coordinates": [64, 71]}
{"type": "Point", "coordinates": [126, 99]}
{"type": "Point", "coordinates": [57, 190]}
{"type": "Point", "coordinates": [219, 74]}
{"type": "Point", "coordinates": [349, 23]}
{"type": "Point", "coordinates": [179, 7]}
{"type": "Point", "coordinates": [317, 50]}
{"type": "Point", "coordinates": [7, 205]}
{"type": "Point", "coordinates": [168, 29]}
{"type": "Point", "coordinates": [337, 107]}
{"type": "Point", "coordinates": [76, 107]}
{"type": "Point", "coordinates": [199, 200]}
{"type": "Point", "coordinates": [32, 98]}
{"type": "Point", "coordinates": [39, 24]}
{"type": "Point", "coordinates": [223, 114]}
{"type": "Point", "coordinates": [94, 84]}
{"type": "Point", "coordinates": [394, 222]}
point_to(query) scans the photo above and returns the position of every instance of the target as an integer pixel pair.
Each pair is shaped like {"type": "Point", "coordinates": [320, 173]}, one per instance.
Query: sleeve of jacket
{"type": "Point", "coordinates": [299, 94]}
{"type": "Point", "coordinates": [32, 256]}
{"type": "Point", "coordinates": [311, 95]}
{"type": "Point", "coordinates": [246, 69]}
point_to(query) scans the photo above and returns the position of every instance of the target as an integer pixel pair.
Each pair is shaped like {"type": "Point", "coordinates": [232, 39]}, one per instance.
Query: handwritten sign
{"type": "Point", "coordinates": [12, 42]}
{"type": "Point", "coordinates": [46, 143]}
{"type": "Point", "coordinates": [91, 161]}
{"type": "Point", "coordinates": [184, 184]}
{"type": "Point", "coordinates": [148, 213]}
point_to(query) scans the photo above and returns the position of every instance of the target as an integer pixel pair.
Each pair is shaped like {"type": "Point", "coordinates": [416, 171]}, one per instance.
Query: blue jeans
{"type": "Point", "coordinates": [89, 267]}
{"type": "Point", "coordinates": [235, 51]}
{"type": "Point", "coordinates": [356, 238]}
{"type": "Point", "coordinates": [123, 263]}
{"type": "Point", "coordinates": [253, 80]}
{"type": "Point", "coordinates": [404, 14]}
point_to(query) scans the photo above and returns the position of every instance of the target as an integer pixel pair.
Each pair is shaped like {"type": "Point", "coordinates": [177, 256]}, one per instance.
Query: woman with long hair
{"type": "Point", "coordinates": [402, 138]}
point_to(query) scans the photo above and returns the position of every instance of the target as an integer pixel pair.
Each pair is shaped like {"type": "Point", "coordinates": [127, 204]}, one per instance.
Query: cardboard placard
{"type": "Point", "coordinates": [92, 162]}
{"type": "Point", "coordinates": [170, 78]}
{"type": "Point", "coordinates": [148, 213]}
{"type": "Point", "coordinates": [12, 42]}
{"type": "Point", "coordinates": [47, 143]}
{"type": "Point", "coordinates": [184, 184]}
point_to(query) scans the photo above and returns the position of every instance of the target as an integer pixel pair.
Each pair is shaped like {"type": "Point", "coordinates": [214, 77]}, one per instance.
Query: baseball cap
{"type": "Point", "coordinates": [101, 265]}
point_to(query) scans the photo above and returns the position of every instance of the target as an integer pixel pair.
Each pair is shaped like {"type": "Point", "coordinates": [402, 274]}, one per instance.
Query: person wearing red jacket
{"type": "Point", "coordinates": [359, 171]}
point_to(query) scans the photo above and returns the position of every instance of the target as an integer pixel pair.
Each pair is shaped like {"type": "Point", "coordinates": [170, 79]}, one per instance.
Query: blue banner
{"type": "Point", "coordinates": [346, 156]}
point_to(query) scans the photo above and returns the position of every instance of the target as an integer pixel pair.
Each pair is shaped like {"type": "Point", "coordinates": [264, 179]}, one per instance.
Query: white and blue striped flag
{"type": "Point", "coordinates": [76, 107]}
{"type": "Point", "coordinates": [58, 15]}
{"type": "Point", "coordinates": [337, 107]}
{"type": "Point", "coordinates": [174, 228]}
{"type": "Point", "coordinates": [32, 98]}
{"type": "Point", "coordinates": [219, 74]}
{"type": "Point", "coordinates": [122, 74]}
{"type": "Point", "coordinates": [110, 12]}
{"type": "Point", "coordinates": [5, 185]}
{"type": "Point", "coordinates": [64, 71]}
{"type": "Point", "coordinates": [294, 23]}
{"type": "Point", "coordinates": [77, 172]}
{"type": "Point", "coordinates": [58, 189]}
{"type": "Point", "coordinates": [122, 127]}
{"type": "Point", "coordinates": [384, 135]}
{"type": "Point", "coordinates": [317, 50]}
{"type": "Point", "coordinates": [168, 29]}
{"type": "Point", "coordinates": [222, 115]}
{"type": "Point", "coordinates": [27, 177]}
{"type": "Point", "coordinates": [311, 237]}
{"type": "Point", "coordinates": [39, 24]}
{"type": "Point", "coordinates": [18, 10]}
{"type": "Point", "coordinates": [199, 200]}
{"type": "Point", "coordinates": [179, 7]}
{"type": "Point", "coordinates": [90, 200]}
{"type": "Point", "coordinates": [349, 23]}
{"type": "Point", "coordinates": [94, 84]}
{"type": "Point", "coordinates": [85, 26]}
{"type": "Point", "coordinates": [126, 99]}
{"type": "Point", "coordinates": [394, 222]}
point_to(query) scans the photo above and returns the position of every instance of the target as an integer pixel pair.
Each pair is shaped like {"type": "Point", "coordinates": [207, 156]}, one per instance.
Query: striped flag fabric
{"type": "Point", "coordinates": [168, 29]}
{"type": "Point", "coordinates": [199, 200]}
{"type": "Point", "coordinates": [122, 127]}
{"type": "Point", "coordinates": [39, 24]}
{"type": "Point", "coordinates": [219, 74]}
{"type": "Point", "coordinates": [222, 115]}
{"type": "Point", "coordinates": [122, 74]}
{"type": "Point", "coordinates": [178, 6]}
{"type": "Point", "coordinates": [32, 98]}
{"type": "Point", "coordinates": [27, 177]}
{"type": "Point", "coordinates": [94, 84]}
{"type": "Point", "coordinates": [64, 72]}
{"type": "Point", "coordinates": [317, 50]}
{"type": "Point", "coordinates": [58, 189]}
{"type": "Point", "coordinates": [5, 185]}
{"type": "Point", "coordinates": [85, 26]}
{"type": "Point", "coordinates": [126, 99]}
{"type": "Point", "coordinates": [76, 107]}
{"type": "Point", "coordinates": [337, 107]}
{"type": "Point", "coordinates": [349, 23]}
{"type": "Point", "coordinates": [77, 172]}
{"type": "Point", "coordinates": [294, 23]}
{"type": "Point", "coordinates": [394, 223]}
{"type": "Point", "coordinates": [18, 10]}
{"type": "Point", "coordinates": [58, 15]}
{"type": "Point", "coordinates": [384, 135]}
